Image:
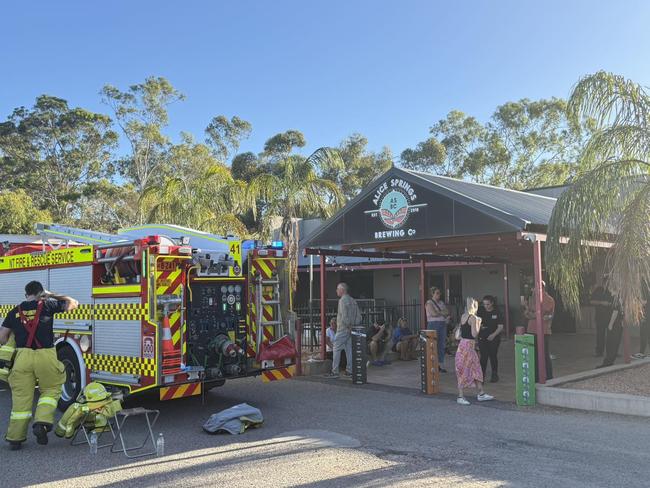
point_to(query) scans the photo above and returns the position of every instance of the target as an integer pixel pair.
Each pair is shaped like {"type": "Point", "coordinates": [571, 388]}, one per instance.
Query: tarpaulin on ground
{"type": "Point", "coordinates": [234, 420]}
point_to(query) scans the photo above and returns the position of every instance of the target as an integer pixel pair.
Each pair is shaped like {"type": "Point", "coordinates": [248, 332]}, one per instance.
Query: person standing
{"type": "Point", "coordinates": [548, 310]}
{"type": "Point", "coordinates": [489, 337]}
{"type": "Point", "coordinates": [437, 319]}
{"type": "Point", "coordinates": [35, 363]}
{"type": "Point", "coordinates": [601, 300]}
{"type": "Point", "coordinates": [468, 367]}
{"type": "Point", "coordinates": [348, 316]}
{"type": "Point", "coordinates": [614, 335]}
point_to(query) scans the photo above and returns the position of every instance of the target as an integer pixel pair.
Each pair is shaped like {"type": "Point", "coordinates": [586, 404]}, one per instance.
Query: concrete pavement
{"type": "Point", "coordinates": [574, 353]}
{"type": "Point", "coordinates": [322, 432]}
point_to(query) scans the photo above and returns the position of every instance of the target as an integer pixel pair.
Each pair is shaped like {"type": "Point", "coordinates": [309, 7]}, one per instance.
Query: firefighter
{"type": "Point", "coordinates": [35, 362]}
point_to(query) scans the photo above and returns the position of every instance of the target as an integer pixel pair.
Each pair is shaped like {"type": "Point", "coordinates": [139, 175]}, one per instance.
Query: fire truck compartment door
{"type": "Point", "coordinates": [12, 285]}
{"type": "Point", "coordinates": [75, 282]}
{"type": "Point", "coordinates": [115, 332]}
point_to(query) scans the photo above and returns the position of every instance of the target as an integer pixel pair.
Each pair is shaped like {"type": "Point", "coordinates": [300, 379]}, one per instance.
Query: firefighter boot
{"type": "Point", "coordinates": [22, 382]}
{"type": "Point", "coordinates": [50, 374]}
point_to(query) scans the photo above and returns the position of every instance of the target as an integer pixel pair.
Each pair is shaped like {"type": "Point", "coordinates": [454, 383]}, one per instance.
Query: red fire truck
{"type": "Point", "coordinates": [161, 307]}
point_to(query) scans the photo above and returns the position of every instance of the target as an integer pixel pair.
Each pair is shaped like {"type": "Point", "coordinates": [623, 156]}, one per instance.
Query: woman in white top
{"type": "Point", "coordinates": [437, 319]}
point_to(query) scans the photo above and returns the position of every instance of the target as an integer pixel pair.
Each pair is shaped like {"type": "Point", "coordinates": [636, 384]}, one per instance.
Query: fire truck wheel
{"type": "Point", "coordinates": [72, 386]}
{"type": "Point", "coordinates": [214, 384]}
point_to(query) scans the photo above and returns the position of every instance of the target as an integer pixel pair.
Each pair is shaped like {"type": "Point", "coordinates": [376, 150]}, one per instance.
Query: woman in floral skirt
{"type": "Point", "coordinates": [468, 366]}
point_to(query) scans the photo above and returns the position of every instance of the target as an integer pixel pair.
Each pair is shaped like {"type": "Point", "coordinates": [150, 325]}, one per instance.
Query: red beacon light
{"type": "Point", "coordinates": [152, 240]}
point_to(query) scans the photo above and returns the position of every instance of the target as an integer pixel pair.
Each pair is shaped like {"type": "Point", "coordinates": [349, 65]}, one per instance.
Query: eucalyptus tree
{"type": "Point", "coordinates": [610, 198]}
{"type": "Point", "coordinates": [224, 136]}
{"type": "Point", "coordinates": [141, 113]}
{"type": "Point", "coordinates": [54, 152]}
{"type": "Point", "coordinates": [524, 144]}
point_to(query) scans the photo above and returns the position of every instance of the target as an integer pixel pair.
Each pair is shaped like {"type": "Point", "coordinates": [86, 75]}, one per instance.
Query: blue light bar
{"type": "Point", "coordinates": [248, 244]}
{"type": "Point", "coordinates": [277, 245]}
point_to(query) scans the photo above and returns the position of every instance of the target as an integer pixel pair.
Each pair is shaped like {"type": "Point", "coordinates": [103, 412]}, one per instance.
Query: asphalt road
{"type": "Point", "coordinates": [331, 433]}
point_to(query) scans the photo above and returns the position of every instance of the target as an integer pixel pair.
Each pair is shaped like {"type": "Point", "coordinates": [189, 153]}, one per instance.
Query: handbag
{"type": "Point", "coordinates": [457, 334]}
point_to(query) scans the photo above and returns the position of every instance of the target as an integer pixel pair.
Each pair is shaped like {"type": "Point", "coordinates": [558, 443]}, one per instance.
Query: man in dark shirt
{"type": "Point", "coordinates": [489, 336]}
{"type": "Point", "coordinates": [601, 300]}
{"type": "Point", "coordinates": [35, 362]}
{"type": "Point", "coordinates": [614, 335]}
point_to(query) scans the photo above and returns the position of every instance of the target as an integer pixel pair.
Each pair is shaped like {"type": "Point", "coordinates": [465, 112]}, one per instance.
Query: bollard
{"type": "Point", "coordinates": [359, 357]}
{"type": "Point", "coordinates": [429, 371]}
{"type": "Point", "coordinates": [525, 369]}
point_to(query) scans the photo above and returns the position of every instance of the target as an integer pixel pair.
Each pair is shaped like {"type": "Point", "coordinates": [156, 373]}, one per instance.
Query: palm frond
{"type": "Point", "coordinates": [590, 210]}
{"type": "Point", "coordinates": [620, 141]}
{"type": "Point", "coordinates": [629, 260]}
{"type": "Point", "coordinates": [609, 99]}
{"type": "Point", "coordinates": [325, 159]}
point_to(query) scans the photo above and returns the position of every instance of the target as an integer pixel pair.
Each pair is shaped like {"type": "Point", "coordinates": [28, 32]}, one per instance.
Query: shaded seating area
{"type": "Point", "coordinates": [423, 220]}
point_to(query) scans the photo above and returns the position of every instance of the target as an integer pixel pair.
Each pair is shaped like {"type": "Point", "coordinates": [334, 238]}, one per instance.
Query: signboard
{"type": "Point", "coordinates": [400, 206]}
{"type": "Point", "coordinates": [70, 255]}
{"type": "Point", "coordinates": [235, 252]}
{"type": "Point", "coordinates": [525, 369]}
{"type": "Point", "coordinates": [395, 200]}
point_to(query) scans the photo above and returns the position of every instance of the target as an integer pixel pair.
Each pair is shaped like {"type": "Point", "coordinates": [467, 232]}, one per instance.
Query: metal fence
{"type": "Point", "coordinates": [371, 310]}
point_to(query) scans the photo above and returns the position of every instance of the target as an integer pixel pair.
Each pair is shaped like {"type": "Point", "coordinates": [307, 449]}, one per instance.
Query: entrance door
{"type": "Point", "coordinates": [451, 285]}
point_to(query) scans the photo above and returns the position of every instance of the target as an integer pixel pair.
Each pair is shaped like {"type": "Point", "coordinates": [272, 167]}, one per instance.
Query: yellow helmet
{"type": "Point", "coordinates": [95, 392]}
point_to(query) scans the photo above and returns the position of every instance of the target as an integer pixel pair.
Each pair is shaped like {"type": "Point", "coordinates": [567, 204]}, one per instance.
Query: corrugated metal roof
{"type": "Point", "coordinates": [527, 207]}
{"type": "Point", "coordinates": [549, 191]}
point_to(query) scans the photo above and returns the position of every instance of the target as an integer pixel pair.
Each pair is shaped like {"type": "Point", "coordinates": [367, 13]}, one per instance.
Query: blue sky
{"type": "Point", "coordinates": [388, 70]}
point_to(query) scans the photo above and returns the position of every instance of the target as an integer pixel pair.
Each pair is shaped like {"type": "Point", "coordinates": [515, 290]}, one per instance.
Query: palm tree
{"type": "Point", "coordinates": [610, 198]}
{"type": "Point", "coordinates": [211, 202]}
{"type": "Point", "coordinates": [295, 189]}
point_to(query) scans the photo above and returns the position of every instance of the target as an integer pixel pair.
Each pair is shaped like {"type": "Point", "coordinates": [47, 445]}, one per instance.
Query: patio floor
{"type": "Point", "coordinates": [574, 353]}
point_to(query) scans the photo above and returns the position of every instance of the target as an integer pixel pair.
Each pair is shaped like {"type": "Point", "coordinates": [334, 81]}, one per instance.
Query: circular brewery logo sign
{"type": "Point", "coordinates": [393, 202]}
{"type": "Point", "coordinates": [394, 209]}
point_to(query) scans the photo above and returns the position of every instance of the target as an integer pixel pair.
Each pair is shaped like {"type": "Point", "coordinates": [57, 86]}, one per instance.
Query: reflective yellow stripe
{"type": "Point", "coordinates": [7, 349]}
{"type": "Point", "coordinates": [109, 290]}
{"type": "Point", "coordinates": [47, 401]}
{"type": "Point", "coordinates": [72, 255]}
{"type": "Point", "coordinates": [20, 415]}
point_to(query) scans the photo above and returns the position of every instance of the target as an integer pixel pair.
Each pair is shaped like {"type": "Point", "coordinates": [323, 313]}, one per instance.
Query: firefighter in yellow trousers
{"type": "Point", "coordinates": [35, 362]}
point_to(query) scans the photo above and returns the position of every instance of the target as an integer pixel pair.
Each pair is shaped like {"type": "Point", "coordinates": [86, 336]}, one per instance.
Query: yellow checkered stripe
{"type": "Point", "coordinates": [100, 311]}
{"type": "Point", "coordinates": [120, 364]}
{"type": "Point", "coordinates": [120, 311]}
{"type": "Point", "coordinates": [82, 312]}
{"type": "Point", "coordinates": [5, 309]}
